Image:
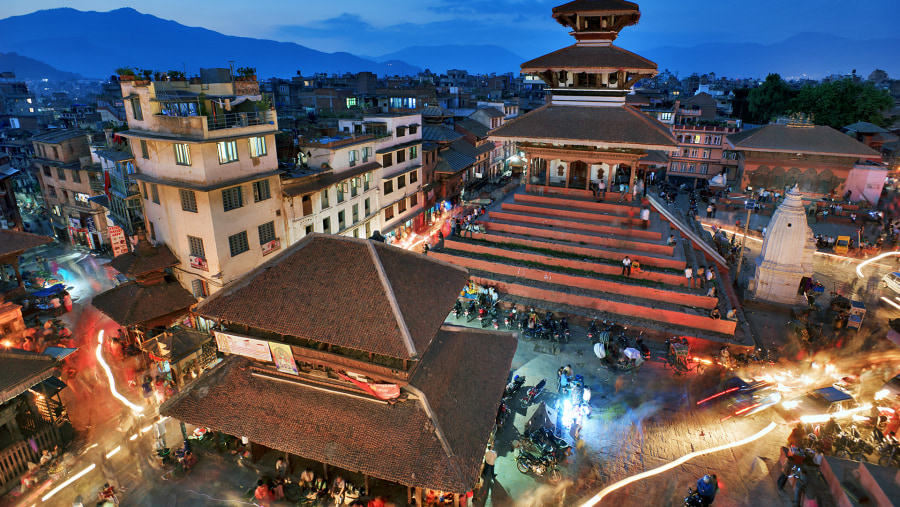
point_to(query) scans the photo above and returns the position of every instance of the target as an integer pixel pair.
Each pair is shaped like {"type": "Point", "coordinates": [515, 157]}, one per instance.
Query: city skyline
{"type": "Point", "coordinates": [368, 29]}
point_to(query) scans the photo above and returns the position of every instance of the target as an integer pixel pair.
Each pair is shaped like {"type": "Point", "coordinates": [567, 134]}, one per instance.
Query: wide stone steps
{"type": "Point", "coordinates": [573, 213]}
{"type": "Point", "coordinates": [575, 225]}
{"type": "Point", "coordinates": [585, 237]}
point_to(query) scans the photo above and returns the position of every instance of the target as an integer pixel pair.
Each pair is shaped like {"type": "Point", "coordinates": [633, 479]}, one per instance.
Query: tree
{"type": "Point", "coordinates": [770, 99]}
{"type": "Point", "coordinates": [740, 105]}
{"type": "Point", "coordinates": [840, 103]}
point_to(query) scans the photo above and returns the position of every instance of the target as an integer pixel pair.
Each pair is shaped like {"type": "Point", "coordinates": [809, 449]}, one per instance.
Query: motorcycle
{"type": "Point", "coordinates": [539, 465]}
{"type": "Point", "coordinates": [562, 330]}
{"type": "Point", "coordinates": [471, 312]}
{"type": "Point", "coordinates": [513, 386]}
{"type": "Point", "coordinates": [693, 499]}
{"type": "Point", "coordinates": [645, 351]}
{"type": "Point", "coordinates": [549, 443]}
{"type": "Point", "coordinates": [457, 309]}
{"type": "Point", "coordinates": [502, 413]}
{"type": "Point", "coordinates": [533, 393]}
{"type": "Point", "coordinates": [623, 338]}
{"type": "Point", "coordinates": [484, 317]}
{"type": "Point", "coordinates": [511, 319]}
{"type": "Point", "coordinates": [593, 332]}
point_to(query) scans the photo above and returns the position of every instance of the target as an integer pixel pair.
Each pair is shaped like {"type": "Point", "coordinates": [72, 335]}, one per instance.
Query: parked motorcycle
{"type": "Point", "coordinates": [513, 386]}
{"type": "Point", "coordinates": [502, 413]}
{"type": "Point", "coordinates": [457, 309]}
{"type": "Point", "coordinates": [563, 330]}
{"type": "Point", "coordinates": [645, 351]}
{"type": "Point", "coordinates": [471, 311]}
{"type": "Point", "coordinates": [484, 318]}
{"type": "Point", "coordinates": [511, 319]}
{"type": "Point", "coordinates": [593, 332]}
{"type": "Point", "coordinates": [549, 443]}
{"type": "Point", "coordinates": [533, 393]}
{"type": "Point", "coordinates": [539, 465]}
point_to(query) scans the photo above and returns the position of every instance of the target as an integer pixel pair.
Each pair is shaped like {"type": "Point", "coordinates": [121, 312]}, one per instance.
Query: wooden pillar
{"type": "Point", "coordinates": [455, 499]}
{"type": "Point", "coordinates": [547, 170]}
{"type": "Point", "coordinates": [366, 483]}
{"type": "Point", "coordinates": [587, 176]}
{"type": "Point", "coordinates": [183, 430]}
{"type": "Point", "coordinates": [418, 496]}
{"type": "Point", "coordinates": [632, 179]}
{"type": "Point", "coordinates": [409, 495]}
{"type": "Point", "coordinates": [568, 171]}
{"type": "Point", "coordinates": [15, 264]}
{"type": "Point", "coordinates": [325, 468]}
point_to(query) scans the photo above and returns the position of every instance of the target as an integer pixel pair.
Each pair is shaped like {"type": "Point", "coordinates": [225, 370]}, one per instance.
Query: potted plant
{"type": "Point", "coordinates": [145, 75]}
{"type": "Point", "coordinates": [264, 104]}
{"type": "Point", "coordinates": [126, 73]}
{"type": "Point", "coordinates": [246, 73]}
{"type": "Point", "coordinates": [176, 75]}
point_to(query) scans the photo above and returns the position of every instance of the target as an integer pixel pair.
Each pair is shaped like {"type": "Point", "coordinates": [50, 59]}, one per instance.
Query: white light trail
{"type": "Point", "coordinates": [684, 459]}
{"type": "Point", "coordinates": [113, 452]}
{"type": "Point", "coordinates": [820, 418]}
{"type": "Point", "coordinates": [112, 381]}
{"type": "Point", "coordinates": [72, 479]}
{"type": "Point", "coordinates": [873, 259]}
{"type": "Point", "coordinates": [888, 301]}
{"type": "Point", "coordinates": [133, 437]}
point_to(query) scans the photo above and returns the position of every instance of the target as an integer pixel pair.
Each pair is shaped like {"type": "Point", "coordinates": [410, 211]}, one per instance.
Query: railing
{"type": "Point", "coordinates": [15, 458]}
{"type": "Point", "coordinates": [239, 120]}
{"type": "Point", "coordinates": [97, 185]}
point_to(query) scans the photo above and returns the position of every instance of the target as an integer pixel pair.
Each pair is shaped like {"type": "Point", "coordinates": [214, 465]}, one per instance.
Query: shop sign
{"type": "Point", "coordinates": [89, 222]}
{"type": "Point", "coordinates": [284, 358]}
{"type": "Point", "coordinates": [271, 246]}
{"type": "Point", "coordinates": [74, 223]}
{"type": "Point", "coordinates": [243, 346]}
{"type": "Point", "coordinates": [198, 263]}
{"type": "Point", "coordinates": [117, 238]}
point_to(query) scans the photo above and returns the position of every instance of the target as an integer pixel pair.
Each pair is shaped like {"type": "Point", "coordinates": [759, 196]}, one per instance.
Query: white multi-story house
{"type": "Point", "coordinates": [205, 161]}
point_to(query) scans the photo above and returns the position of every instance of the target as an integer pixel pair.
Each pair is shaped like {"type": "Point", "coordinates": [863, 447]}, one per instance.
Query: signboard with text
{"type": "Point", "coordinates": [118, 241]}
{"type": "Point", "coordinates": [243, 346]}
{"type": "Point", "coordinates": [271, 246]}
{"type": "Point", "coordinates": [199, 263]}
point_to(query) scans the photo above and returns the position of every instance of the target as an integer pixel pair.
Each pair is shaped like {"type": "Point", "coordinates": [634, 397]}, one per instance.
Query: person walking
{"type": "Point", "coordinates": [709, 211]}
{"type": "Point", "coordinates": [800, 481]}
{"type": "Point", "coordinates": [689, 274]}
{"type": "Point", "coordinates": [490, 458]}
{"type": "Point", "coordinates": [626, 266]}
{"type": "Point", "coordinates": [601, 188]}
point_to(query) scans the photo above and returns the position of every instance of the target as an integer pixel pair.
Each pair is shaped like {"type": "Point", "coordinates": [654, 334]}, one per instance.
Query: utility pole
{"type": "Point", "coordinates": [749, 205]}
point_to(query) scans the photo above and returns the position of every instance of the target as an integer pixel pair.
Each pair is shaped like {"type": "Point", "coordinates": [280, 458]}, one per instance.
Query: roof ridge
{"type": "Point", "coordinates": [658, 125]}
{"type": "Point", "coordinates": [426, 406]}
{"type": "Point", "coordinates": [392, 300]}
{"type": "Point", "coordinates": [634, 54]}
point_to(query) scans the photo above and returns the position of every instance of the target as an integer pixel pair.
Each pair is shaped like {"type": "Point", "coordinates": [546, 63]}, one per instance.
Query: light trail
{"type": "Point", "coordinates": [873, 259]}
{"type": "Point", "coordinates": [113, 452]}
{"type": "Point", "coordinates": [684, 459]}
{"type": "Point", "coordinates": [112, 381]}
{"type": "Point", "coordinates": [72, 479]}
{"type": "Point", "coordinates": [888, 301]}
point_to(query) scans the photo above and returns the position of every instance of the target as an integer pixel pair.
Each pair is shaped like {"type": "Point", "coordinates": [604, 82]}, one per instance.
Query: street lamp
{"type": "Point", "coordinates": [749, 205]}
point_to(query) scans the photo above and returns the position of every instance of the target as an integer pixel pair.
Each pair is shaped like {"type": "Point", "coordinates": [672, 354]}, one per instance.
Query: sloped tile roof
{"type": "Point", "coordinates": [439, 133]}
{"type": "Point", "coordinates": [471, 150]}
{"type": "Point", "coordinates": [474, 127]}
{"type": "Point", "coordinates": [456, 160]}
{"type": "Point", "coordinates": [863, 127]}
{"type": "Point", "coordinates": [330, 289]}
{"type": "Point", "coordinates": [20, 370]}
{"type": "Point", "coordinates": [461, 379]}
{"type": "Point", "coordinates": [58, 136]}
{"type": "Point", "coordinates": [131, 303]}
{"type": "Point", "coordinates": [582, 6]}
{"type": "Point", "coordinates": [491, 112]}
{"type": "Point", "coordinates": [800, 139]}
{"type": "Point", "coordinates": [589, 58]}
{"type": "Point", "coordinates": [610, 126]}
{"type": "Point", "coordinates": [144, 259]}
{"type": "Point", "coordinates": [15, 242]}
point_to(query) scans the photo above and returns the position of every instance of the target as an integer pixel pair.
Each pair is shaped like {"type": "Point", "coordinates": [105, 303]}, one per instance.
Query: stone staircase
{"type": "Point", "coordinates": [564, 253]}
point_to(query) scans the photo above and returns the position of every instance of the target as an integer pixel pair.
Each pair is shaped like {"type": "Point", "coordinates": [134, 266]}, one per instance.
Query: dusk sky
{"type": "Point", "coordinates": [373, 28]}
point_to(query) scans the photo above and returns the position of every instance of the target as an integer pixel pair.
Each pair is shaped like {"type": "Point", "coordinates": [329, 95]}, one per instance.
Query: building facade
{"type": "Point", "coordinates": [68, 180]}
{"type": "Point", "coordinates": [208, 174]}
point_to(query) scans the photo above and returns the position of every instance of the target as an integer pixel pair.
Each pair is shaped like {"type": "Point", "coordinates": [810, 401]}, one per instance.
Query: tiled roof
{"type": "Point", "coordinates": [471, 150]}
{"type": "Point", "coordinates": [400, 146]}
{"type": "Point", "coordinates": [801, 139]}
{"type": "Point", "coordinates": [460, 380]}
{"type": "Point", "coordinates": [863, 127]}
{"type": "Point", "coordinates": [338, 290]}
{"type": "Point", "coordinates": [177, 343]}
{"type": "Point", "coordinates": [435, 112]}
{"type": "Point", "coordinates": [325, 180]}
{"type": "Point", "coordinates": [115, 155]}
{"type": "Point", "coordinates": [456, 160]}
{"type": "Point", "coordinates": [492, 112]}
{"type": "Point", "coordinates": [608, 126]}
{"type": "Point", "coordinates": [654, 157]}
{"type": "Point", "coordinates": [439, 133]}
{"type": "Point", "coordinates": [474, 127]}
{"type": "Point", "coordinates": [20, 370]}
{"type": "Point", "coordinates": [145, 258]}
{"type": "Point", "coordinates": [595, 58]}
{"type": "Point", "coordinates": [443, 166]}
{"type": "Point", "coordinates": [636, 99]}
{"type": "Point", "coordinates": [131, 303]}
{"type": "Point", "coordinates": [582, 6]}
{"type": "Point", "coordinates": [58, 136]}
{"type": "Point", "coordinates": [15, 242]}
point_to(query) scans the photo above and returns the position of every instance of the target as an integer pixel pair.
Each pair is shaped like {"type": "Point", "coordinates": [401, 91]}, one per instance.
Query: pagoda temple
{"type": "Point", "coordinates": [587, 132]}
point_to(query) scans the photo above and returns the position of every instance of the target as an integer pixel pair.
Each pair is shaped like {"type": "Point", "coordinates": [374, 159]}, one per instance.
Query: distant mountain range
{"type": "Point", "coordinates": [28, 68]}
{"type": "Point", "coordinates": [94, 44]}
{"type": "Point", "coordinates": [813, 55]}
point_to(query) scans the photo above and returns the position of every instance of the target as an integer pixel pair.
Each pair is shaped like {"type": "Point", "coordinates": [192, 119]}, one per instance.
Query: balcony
{"type": "Point", "coordinates": [240, 120]}
{"type": "Point", "coordinates": [212, 127]}
{"type": "Point", "coordinates": [97, 185]}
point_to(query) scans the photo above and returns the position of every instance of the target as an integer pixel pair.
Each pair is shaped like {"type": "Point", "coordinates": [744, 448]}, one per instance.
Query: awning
{"type": "Point", "coordinates": [59, 352]}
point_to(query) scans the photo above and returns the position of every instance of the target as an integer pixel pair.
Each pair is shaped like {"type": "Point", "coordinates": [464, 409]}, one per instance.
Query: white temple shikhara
{"type": "Point", "coordinates": [787, 253]}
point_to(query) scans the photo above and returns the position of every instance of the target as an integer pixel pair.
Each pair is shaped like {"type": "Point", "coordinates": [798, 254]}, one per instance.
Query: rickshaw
{"type": "Point", "coordinates": [680, 360]}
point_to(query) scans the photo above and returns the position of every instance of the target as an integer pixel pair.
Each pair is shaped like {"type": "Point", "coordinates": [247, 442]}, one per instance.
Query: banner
{"type": "Point", "coordinates": [284, 358]}
{"type": "Point", "coordinates": [271, 246]}
{"type": "Point", "coordinates": [198, 263]}
{"type": "Point", "coordinates": [243, 346]}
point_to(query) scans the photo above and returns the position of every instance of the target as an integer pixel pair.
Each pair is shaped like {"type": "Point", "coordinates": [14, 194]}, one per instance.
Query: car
{"type": "Point", "coordinates": [743, 398]}
{"type": "Point", "coordinates": [892, 281]}
{"type": "Point", "coordinates": [819, 405]}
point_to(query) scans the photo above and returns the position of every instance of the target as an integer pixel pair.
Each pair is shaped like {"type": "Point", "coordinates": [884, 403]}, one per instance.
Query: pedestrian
{"type": "Point", "coordinates": [671, 240]}
{"type": "Point", "coordinates": [709, 209]}
{"type": "Point", "coordinates": [490, 458]}
{"type": "Point", "coordinates": [626, 266]}
{"type": "Point", "coordinates": [710, 276]}
{"type": "Point", "coordinates": [800, 481]}
{"type": "Point", "coordinates": [281, 468]}
{"type": "Point", "coordinates": [263, 494]}
{"type": "Point", "coordinates": [701, 277]}
{"type": "Point", "coordinates": [160, 388]}
{"type": "Point", "coordinates": [714, 211]}
{"type": "Point", "coordinates": [602, 189]}
{"type": "Point", "coordinates": [593, 188]}
{"type": "Point", "coordinates": [764, 231]}
{"type": "Point", "coordinates": [689, 274]}
{"type": "Point", "coordinates": [147, 390]}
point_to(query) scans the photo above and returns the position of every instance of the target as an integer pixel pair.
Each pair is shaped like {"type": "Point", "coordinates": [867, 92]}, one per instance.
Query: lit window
{"type": "Point", "coordinates": [258, 147]}
{"type": "Point", "coordinates": [227, 151]}
{"type": "Point", "coordinates": [182, 154]}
